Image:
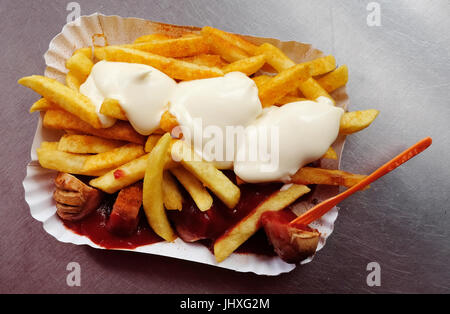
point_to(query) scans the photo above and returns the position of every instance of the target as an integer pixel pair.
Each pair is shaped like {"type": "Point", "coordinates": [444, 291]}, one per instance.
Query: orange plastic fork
{"type": "Point", "coordinates": [321, 209]}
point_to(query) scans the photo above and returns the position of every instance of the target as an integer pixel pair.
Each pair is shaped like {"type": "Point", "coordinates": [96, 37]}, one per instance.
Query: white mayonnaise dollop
{"type": "Point", "coordinates": [205, 108]}
{"type": "Point", "coordinates": [289, 137]}
{"type": "Point", "coordinates": [142, 91]}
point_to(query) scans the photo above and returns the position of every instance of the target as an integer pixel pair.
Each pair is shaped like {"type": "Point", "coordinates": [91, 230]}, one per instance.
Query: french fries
{"type": "Point", "coordinates": [80, 65]}
{"type": "Point", "coordinates": [86, 144]}
{"type": "Point", "coordinates": [243, 230]}
{"type": "Point", "coordinates": [51, 158]}
{"type": "Point", "coordinates": [224, 44]}
{"type": "Point", "coordinates": [335, 79]}
{"type": "Point", "coordinates": [212, 178]}
{"type": "Point", "coordinates": [114, 158]}
{"type": "Point", "coordinates": [288, 99]}
{"type": "Point", "coordinates": [123, 176]}
{"type": "Point", "coordinates": [174, 48]}
{"type": "Point", "coordinates": [73, 82]}
{"type": "Point", "coordinates": [356, 121]}
{"type": "Point", "coordinates": [312, 90]}
{"type": "Point", "coordinates": [62, 120]}
{"type": "Point", "coordinates": [151, 142]}
{"type": "Point", "coordinates": [168, 121]}
{"type": "Point", "coordinates": [281, 84]}
{"type": "Point", "coordinates": [153, 192]}
{"type": "Point", "coordinates": [174, 68]}
{"type": "Point", "coordinates": [42, 105]}
{"type": "Point", "coordinates": [208, 60]}
{"type": "Point", "coordinates": [310, 175]}
{"type": "Point", "coordinates": [172, 198]}
{"type": "Point", "coordinates": [66, 98]}
{"type": "Point", "coordinates": [248, 65]}
{"type": "Point", "coordinates": [232, 39]}
{"type": "Point", "coordinates": [118, 156]}
{"type": "Point", "coordinates": [322, 65]}
{"type": "Point", "coordinates": [330, 154]}
{"type": "Point", "coordinates": [260, 80]}
{"type": "Point", "coordinates": [151, 37]}
{"type": "Point", "coordinates": [111, 108]}
{"type": "Point", "coordinates": [275, 57]}
{"type": "Point", "coordinates": [194, 187]}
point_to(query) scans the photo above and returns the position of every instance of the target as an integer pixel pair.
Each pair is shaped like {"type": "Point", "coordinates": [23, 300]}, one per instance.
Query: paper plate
{"type": "Point", "coordinates": [38, 183]}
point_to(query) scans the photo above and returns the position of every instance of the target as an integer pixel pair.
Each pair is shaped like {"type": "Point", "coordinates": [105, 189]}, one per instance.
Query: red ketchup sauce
{"type": "Point", "coordinates": [95, 228]}
{"type": "Point", "coordinates": [191, 224]}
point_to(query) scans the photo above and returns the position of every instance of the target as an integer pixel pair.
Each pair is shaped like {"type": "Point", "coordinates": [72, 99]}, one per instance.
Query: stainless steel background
{"type": "Point", "coordinates": [402, 222]}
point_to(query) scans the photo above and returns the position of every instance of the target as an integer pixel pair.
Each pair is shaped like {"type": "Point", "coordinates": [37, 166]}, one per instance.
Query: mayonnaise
{"type": "Point", "coordinates": [291, 136]}
{"type": "Point", "coordinates": [210, 106]}
{"type": "Point", "coordinates": [142, 91]}
{"type": "Point", "coordinates": [221, 117]}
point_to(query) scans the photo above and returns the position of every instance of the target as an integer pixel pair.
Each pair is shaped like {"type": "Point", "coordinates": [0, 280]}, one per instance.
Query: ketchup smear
{"type": "Point", "coordinates": [191, 224]}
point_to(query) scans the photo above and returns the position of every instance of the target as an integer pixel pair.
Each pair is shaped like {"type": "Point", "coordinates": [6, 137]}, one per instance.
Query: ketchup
{"type": "Point", "coordinates": [191, 224]}
{"type": "Point", "coordinates": [95, 228]}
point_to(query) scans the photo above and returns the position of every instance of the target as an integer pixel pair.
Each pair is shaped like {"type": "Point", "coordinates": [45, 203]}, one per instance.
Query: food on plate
{"type": "Point", "coordinates": [66, 98]}
{"type": "Point", "coordinates": [142, 125]}
{"type": "Point", "coordinates": [124, 217]}
{"type": "Point", "coordinates": [292, 243]}
{"type": "Point", "coordinates": [63, 120]}
{"type": "Point", "coordinates": [194, 187]}
{"type": "Point", "coordinates": [244, 229]}
{"type": "Point", "coordinates": [172, 197]}
{"type": "Point", "coordinates": [153, 192]}
{"type": "Point", "coordinates": [75, 199]}
{"type": "Point", "coordinates": [86, 144]}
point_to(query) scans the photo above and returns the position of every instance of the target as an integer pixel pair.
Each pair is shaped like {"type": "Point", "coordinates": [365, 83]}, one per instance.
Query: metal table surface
{"type": "Point", "coordinates": [400, 67]}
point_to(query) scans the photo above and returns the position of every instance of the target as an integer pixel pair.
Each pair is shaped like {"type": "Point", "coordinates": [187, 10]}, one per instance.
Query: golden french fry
{"type": "Point", "coordinates": [65, 97]}
{"type": "Point", "coordinates": [168, 121]}
{"type": "Point", "coordinates": [153, 192]}
{"type": "Point", "coordinates": [330, 154]}
{"type": "Point", "coordinates": [152, 37]}
{"type": "Point", "coordinates": [261, 80]}
{"type": "Point", "coordinates": [244, 229]}
{"type": "Point", "coordinates": [72, 81]}
{"type": "Point", "coordinates": [275, 57]}
{"type": "Point", "coordinates": [121, 177]}
{"type": "Point", "coordinates": [288, 99]}
{"type": "Point", "coordinates": [51, 158]}
{"type": "Point", "coordinates": [280, 62]}
{"type": "Point", "coordinates": [226, 49]}
{"type": "Point", "coordinates": [87, 51]}
{"type": "Point", "coordinates": [111, 108]}
{"type": "Point", "coordinates": [50, 145]}
{"type": "Point", "coordinates": [247, 66]}
{"type": "Point", "coordinates": [174, 48]}
{"type": "Point", "coordinates": [281, 84]}
{"type": "Point", "coordinates": [233, 39]}
{"type": "Point", "coordinates": [42, 105]}
{"type": "Point", "coordinates": [86, 144]}
{"type": "Point", "coordinates": [310, 175]}
{"type": "Point", "coordinates": [208, 60]}
{"type": "Point", "coordinates": [80, 65]}
{"type": "Point", "coordinates": [356, 121]}
{"type": "Point", "coordinates": [322, 65]}
{"type": "Point", "coordinates": [194, 187]}
{"type": "Point", "coordinates": [114, 158]}
{"type": "Point", "coordinates": [62, 120]}
{"type": "Point", "coordinates": [210, 176]}
{"type": "Point", "coordinates": [174, 68]}
{"type": "Point", "coordinates": [335, 79]}
{"type": "Point", "coordinates": [151, 142]}
{"type": "Point", "coordinates": [312, 90]}
{"type": "Point", "coordinates": [172, 198]}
